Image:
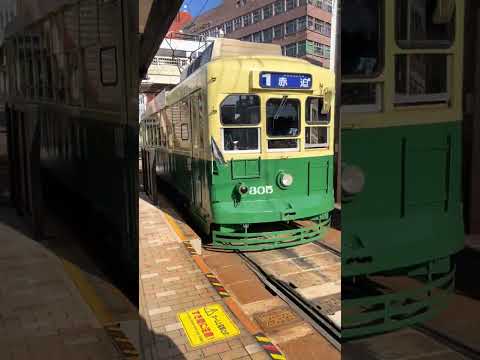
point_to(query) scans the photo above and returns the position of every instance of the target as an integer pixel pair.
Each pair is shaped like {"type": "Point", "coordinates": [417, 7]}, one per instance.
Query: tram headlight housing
{"type": "Point", "coordinates": [285, 180]}
{"type": "Point", "coordinates": [242, 189]}
{"type": "Point", "coordinates": [353, 179]}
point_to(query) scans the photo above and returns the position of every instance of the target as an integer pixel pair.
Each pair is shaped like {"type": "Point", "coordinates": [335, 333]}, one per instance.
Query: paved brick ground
{"type": "Point", "coordinates": [42, 314]}
{"type": "Point", "coordinates": [170, 282]}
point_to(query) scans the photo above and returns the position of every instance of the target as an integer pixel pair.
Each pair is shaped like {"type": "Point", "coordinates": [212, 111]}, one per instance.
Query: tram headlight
{"type": "Point", "coordinates": [242, 189]}
{"type": "Point", "coordinates": [285, 180]}
{"type": "Point", "coordinates": [353, 179]}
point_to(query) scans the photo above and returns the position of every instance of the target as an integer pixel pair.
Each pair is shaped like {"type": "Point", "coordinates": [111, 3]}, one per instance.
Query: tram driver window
{"type": "Point", "coordinates": [283, 117]}
{"type": "Point", "coordinates": [361, 38]}
{"type": "Point", "coordinates": [242, 112]}
{"type": "Point", "coordinates": [425, 23]}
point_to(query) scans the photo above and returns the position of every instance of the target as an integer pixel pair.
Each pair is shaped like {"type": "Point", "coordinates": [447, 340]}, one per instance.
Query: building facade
{"type": "Point", "coordinates": [302, 27]}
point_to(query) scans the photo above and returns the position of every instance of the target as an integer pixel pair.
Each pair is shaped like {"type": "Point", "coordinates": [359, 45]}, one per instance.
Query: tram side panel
{"type": "Point", "coordinates": [84, 137]}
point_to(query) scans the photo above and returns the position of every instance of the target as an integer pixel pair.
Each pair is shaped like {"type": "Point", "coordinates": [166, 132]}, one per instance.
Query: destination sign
{"type": "Point", "coordinates": [274, 80]}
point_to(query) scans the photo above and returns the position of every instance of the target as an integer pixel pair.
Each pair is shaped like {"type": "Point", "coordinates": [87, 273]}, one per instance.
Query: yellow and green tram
{"type": "Point", "coordinates": [246, 139]}
{"type": "Point", "coordinates": [401, 118]}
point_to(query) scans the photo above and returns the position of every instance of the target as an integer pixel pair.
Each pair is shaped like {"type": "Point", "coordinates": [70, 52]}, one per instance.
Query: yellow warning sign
{"type": "Point", "coordinates": [207, 324]}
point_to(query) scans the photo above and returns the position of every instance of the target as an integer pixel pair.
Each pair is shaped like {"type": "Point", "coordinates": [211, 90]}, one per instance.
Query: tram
{"type": "Point", "coordinates": [401, 126]}
{"type": "Point", "coordinates": [246, 139]}
{"type": "Point", "coordinates": [72, 120]}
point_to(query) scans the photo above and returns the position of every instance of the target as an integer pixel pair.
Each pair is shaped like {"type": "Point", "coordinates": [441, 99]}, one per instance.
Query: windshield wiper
{"type": "Point", "coordinates": [280, 107]}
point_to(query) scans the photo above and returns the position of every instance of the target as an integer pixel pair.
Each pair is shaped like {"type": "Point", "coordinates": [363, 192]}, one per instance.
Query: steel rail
{"type": "Point", "coordinates": [453, 344]}
{"type": "Point", "coordinates": [297, 302]}
{"type": "Point", "coordinates": [328, 248]}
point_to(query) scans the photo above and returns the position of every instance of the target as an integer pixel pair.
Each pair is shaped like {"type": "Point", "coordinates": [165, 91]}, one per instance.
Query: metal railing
{"type": "Point", "coordinates": [167, 60]}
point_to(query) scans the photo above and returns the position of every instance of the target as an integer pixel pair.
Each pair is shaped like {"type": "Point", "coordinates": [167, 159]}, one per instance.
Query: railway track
{"type": "Point", "coordinates": [419, 342]}
{"type": "Point", "coordinates": [307, 277]}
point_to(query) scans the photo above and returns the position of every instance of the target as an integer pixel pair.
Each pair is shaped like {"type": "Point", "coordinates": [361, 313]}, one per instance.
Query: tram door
{"type": "Point", "coordinates": [198, 150]}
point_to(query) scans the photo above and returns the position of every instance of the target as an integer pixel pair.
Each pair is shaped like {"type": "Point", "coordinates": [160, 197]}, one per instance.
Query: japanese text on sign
{"type": "Point", "coordinates": [207, 324]}
{"type": "Point", "coordinates": [285, 81]}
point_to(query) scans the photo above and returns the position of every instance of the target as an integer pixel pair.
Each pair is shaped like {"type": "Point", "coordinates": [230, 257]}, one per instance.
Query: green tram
{"type": "Point", "coordinates": [247, 145]}
{"type": "Point", "coordinates": [401, 113]}
{"type": "Point", "coordinates": [72, 119]}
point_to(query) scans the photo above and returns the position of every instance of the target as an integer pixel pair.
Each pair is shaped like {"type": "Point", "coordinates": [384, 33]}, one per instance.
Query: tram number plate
{"type": "Point", "coordinates": [260, 190]}
{"type": "Point", "coordinates": [275, 80]}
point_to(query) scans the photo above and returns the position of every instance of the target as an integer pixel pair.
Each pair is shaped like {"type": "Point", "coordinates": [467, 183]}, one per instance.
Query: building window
{"type": "Point", "coordinates": [228, 27]}
{"type": "Point", "coordinates": [317, 49]}
{"type": "Point", "coordinates": [278, 31]}
{"type": "Point", "coordinates": [291, 27]}
{"type": "Point", "coordinates": [279, 7]}
{"type": "Point", "coordinates": [291, 4]}
{"type": "Point", "coordinates": [319, 26]}
{"type": "Point", "coordinates": [291, 50]}
{"type": "Point", "coordinates": [268, 35]}
{"type": "Point", "coordinates": [322, 4]}
{"type": "Point", "coordinates": [257, 16]}
{"type": "Point", "coordinates": [268, 11]}
{"type": "Point", "coordinates": [257, 37]}
{"type": "Point", "coordinates": [247, 38]}
{"type": "Point", "coordinates": [302, 48]}
{"type": "Point", "coordinates": [247, 19]}
{"type": "Point", "coordinates": [301, 23]}
{"type": "Point", "coordinates": [237, 23]}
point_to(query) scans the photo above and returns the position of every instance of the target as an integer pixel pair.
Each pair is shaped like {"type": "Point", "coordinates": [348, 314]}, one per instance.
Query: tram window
{"type": "Point", "coordinates": [241, 139]}
{"type": "Point", "coordinates": [283, 117]}
{"type": "Point", "coordinates": [240, 110]}
{"type": "Point", "coordinates": [314, 111]}
{"type": "Point", "coordinates": [316, 137]}
{"type": "Point", "coordinates": [184, 132]}
{"type": "Point", "coordinates": [362, 97]}
{"type": "Point", "coordinates": [108, 66]}
{"type": "Point", "coordinates": [421, 78]}
{"type": "Point", "coordinates": [425, 23]}
{"type": "Point", "coordinates": [361, 37]}
{"type": "Point", "coordinates": [283, 144]}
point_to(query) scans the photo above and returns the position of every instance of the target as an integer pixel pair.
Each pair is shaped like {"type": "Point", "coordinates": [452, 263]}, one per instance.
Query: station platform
{"type": "Point", "coordinates": [177, 276]}
{"type": "Point", "coordinates": [171, 283]}
{"type": "Point", "coordinates": [52, 309]}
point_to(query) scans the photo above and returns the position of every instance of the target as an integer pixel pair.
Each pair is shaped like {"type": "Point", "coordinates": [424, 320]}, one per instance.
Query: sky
{"type": "Point", "coordinates": [195, 6]}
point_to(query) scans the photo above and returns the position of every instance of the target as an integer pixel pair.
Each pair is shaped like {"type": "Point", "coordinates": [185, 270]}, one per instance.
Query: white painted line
{"type": "Point", "coordinates": [175, 278]}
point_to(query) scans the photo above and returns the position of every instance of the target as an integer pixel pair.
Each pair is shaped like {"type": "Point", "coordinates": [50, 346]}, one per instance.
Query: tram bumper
{"type": "Point", "coordinates": [267, 240]}
{"type": "Point", "coordinates": [269, 224]}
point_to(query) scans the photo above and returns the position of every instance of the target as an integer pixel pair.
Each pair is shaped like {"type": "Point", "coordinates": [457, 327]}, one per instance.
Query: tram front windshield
{"type": "Point", "coordinates": [283, 117]}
